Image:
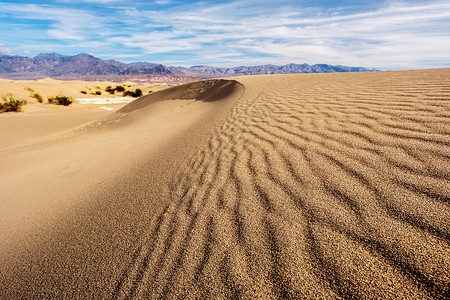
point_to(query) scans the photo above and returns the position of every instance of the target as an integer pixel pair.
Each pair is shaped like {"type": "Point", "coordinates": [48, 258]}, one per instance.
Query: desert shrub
{"type": "Point", "coordinates": [110, 90]}
{"type": "Point", "coordinates": [128, 94]}
{"type": "Point", "coordinates": [38, 97]}
{"type": "Point", "coordinates": [83, 92]}
{"type": "Point", "coordinates": [34, 94]}
{"type": "Point", "coordinates": [98, 93]}
{"type": "Point", "coordinates": [60, 100]}
{"type": "Point", "coordinates": [135, 94]}
{"type": "Point", "coordinates": [150, 92]}
{"type": "Point", "coordinates": [118, 88]}
{"type": "Point", "coordinates": [10, 103]}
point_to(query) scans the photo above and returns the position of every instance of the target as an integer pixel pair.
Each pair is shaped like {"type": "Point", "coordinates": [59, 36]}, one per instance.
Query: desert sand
{"type": "Point", "coordinates": [51, 87]}
{"type": "Point", "coordinates": [309, 186]}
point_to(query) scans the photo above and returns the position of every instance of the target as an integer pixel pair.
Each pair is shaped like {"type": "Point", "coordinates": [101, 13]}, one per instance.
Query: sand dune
{"type": "Point", "coordinates": [50, 87]}
{"type": "Point", "coordinates": [281, 186]}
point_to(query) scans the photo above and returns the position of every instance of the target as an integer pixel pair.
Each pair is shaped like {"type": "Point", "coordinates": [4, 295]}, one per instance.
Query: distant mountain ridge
{"type": "Point", "coordinates": [271, 69]}
{"type": "Point", "coordinates": [87, 67]}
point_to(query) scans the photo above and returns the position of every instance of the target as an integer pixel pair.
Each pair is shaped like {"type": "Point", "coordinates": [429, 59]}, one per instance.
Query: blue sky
{"type": "Point", "coordinates": [376, 34]}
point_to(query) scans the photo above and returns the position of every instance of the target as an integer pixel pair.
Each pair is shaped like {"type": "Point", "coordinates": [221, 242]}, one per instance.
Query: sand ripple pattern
{"type": "Point", "coordinates": [316, 187]}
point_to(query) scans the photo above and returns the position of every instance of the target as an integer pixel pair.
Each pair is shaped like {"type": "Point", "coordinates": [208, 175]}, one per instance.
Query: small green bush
{"type": "Point", "coordinates": [98, 93]}
{"type": "Point", "coordinates": [83, 92]}
{"type": "Point", "coordinates": [127, 94]}
{"type": "Point", "coordinates": [110, 90]}
{"type": "Point", "coordinates": [34, 94]}
{"type": "Point", "coordinates": [137, 93]}
{"type": "Point", "coordinates": [38, 97]}
{"type": "Point", "coordinates": [60, 100]}
{"type": "Point", "coordinates": [120, 88]}
{"type": "Point", "coordinates": [29, 89]}
{"type": "Point", "coordinates": [11, 104]}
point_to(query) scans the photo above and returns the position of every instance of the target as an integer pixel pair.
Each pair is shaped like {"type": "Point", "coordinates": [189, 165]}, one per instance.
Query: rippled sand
{"type": "Point", "coordinates": [280, 186]}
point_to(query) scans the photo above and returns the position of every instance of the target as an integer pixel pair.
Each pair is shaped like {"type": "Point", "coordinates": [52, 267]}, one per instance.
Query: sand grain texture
{"type": "Point", "coordinates": [284, 186]}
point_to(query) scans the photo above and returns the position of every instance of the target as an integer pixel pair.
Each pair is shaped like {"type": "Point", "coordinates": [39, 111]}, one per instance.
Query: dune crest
{"type": "Point", "coordinates": [144, 107]}
{"type": "Point", "coordinates": [291, 186]}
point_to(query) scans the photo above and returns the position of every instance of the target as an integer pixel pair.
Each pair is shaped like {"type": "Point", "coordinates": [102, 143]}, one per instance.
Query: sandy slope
{"type": "Point", "coordinates": [280, 186]}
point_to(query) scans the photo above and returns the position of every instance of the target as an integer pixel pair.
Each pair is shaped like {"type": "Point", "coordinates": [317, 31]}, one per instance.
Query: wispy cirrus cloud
{"type": "Point", "coordinates": [162, 2]}
{"type": "Point", "coordinates": [396, 35]}
{"type": "Point", "coordinates": [390, 35]}
{"type": "Point", "coordinates": [54, 22]}
{"type": "Point", "coordinates": [90, 1]}
{"type": "Point", "coordinates": [4, 50]}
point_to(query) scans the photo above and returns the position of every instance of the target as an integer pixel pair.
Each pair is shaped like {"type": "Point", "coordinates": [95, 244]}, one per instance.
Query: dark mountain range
{"type": "Point", "coordinates": [56, 65]}
{"type": "Point", "coordinates": [154, 70]}
{"type": "Point", "coordinates": [87, 67]}
{"type": "Point", "coordinates": [269, 69]}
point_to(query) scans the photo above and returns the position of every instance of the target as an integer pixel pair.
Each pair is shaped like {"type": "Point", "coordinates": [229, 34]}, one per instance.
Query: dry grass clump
{"type": "Point", "coordinates": [38, 97]}
{"type": "Point", "coordinates": [137, 93]}
{"type": "Point", "coordinates": [60, 100]}
{"type": "Point", "coordinates": [10, 103]}
{"type": "Point", "coordinates": [34, 94]}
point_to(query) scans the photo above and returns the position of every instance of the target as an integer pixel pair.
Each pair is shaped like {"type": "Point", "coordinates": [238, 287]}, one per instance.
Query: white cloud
{"type": "Point", "coordinates": [91, 1]}
{"type": "Point", "coordinates": [396, 36]}
{"type": "Point", "coordinates": [65, 23]}
{"type": "Point", "coordinates": [5, 51]}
